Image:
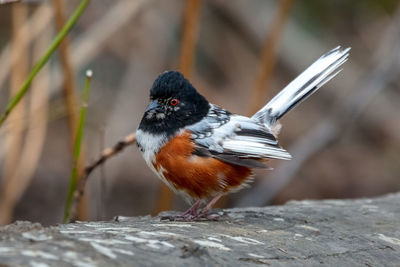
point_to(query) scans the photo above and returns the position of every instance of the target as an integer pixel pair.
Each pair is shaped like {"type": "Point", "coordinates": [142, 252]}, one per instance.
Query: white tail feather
{"type": "Point", "coordinates": [309, 81]}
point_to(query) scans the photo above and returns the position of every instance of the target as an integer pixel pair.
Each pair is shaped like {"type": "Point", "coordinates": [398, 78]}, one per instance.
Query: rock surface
{"type": "Point", "coordinates": [363, 232]}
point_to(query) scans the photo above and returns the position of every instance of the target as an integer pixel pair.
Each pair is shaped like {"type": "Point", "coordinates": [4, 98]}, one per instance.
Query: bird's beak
{"type": "Point", "coordinates": [153, 106]}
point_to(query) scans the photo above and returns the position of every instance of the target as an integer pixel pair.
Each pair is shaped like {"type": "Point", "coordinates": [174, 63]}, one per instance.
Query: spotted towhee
{"type": "Point", "coordinates": [204, 151]}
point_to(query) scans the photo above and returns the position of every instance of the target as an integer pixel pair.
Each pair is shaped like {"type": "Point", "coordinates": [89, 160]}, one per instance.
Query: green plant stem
{"type": "Point", "coordinates": [77, 148]}
{"type": "Point", "coordinates": [56, 42]}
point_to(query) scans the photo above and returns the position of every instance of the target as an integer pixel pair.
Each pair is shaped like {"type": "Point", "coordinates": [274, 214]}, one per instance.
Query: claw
{"type": "Point", "coordinates": [193, 214]}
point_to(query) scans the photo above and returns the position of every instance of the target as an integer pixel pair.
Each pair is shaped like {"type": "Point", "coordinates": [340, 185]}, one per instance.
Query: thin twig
{"type": "Point", "coordinates": [103, 183]}
{"type": "Point", "coordinates": [107, 154]}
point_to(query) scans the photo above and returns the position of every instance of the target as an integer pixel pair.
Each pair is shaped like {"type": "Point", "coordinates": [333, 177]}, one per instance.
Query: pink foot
{"type": "Point", "coordinates": [188, 215]}
{"type": "Point", "coordinates": [193, 214]}
{"type": "Point", "coordinates": [204, 213]}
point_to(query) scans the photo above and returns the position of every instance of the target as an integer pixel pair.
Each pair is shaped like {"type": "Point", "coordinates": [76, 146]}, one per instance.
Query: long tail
{"type": "Point", "coordinates": [316, 75]}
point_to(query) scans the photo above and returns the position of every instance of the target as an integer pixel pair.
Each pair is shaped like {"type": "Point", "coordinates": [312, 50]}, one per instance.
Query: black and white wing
{"type": "Point", "coordinates": [235, 139]}
{"type": "Point", "coordinates": [242, 140]}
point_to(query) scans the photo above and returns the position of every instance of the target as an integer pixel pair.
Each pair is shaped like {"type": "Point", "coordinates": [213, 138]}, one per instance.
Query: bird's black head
{"type": "Point", "coordinates": [174, 104]}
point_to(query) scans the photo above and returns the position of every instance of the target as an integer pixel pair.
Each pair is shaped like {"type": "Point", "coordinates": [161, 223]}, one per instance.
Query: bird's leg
{"type": "Point", "coordinates": [188, 215]}
{"type": "Point", "coordinates": [193, 210]}
{"type": "Point", "coordinates": [192, 214]}
{"type": "Point", "coordinates": [206, 209]}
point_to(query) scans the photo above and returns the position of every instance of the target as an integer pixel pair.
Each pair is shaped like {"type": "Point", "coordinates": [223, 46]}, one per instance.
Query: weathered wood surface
{"type": "Point", "coordinates": [363, 232]}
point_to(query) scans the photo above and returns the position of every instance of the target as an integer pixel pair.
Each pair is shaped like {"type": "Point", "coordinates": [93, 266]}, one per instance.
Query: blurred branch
{"type": "Point", "coordinates": [14, 135]}
{"type": "Point", "coordinates": [71, 22]}
{"type": "Point", "coordinates": [84, 50]}
{"type": "Point", "coordinates": [78, 144]}
{"type": "Point", "coordinates": [298, 46]}
{"type": "Point", "coordinates": [70, 97]}
{"type": "Point", "coordinates": [344, 116]}
{"type": "Point", "coordinates": [103, 184]}
{"type": "Point", "coordinates": [90, 44]}
{"type": "Point", "coordinates": [30, 29]}
{"type": "Point", "coordinates": [268, 58]}
{"type": "Point", "coordinates": [189, 38]}
{"type": "Point", "coordinates": [2, 2]}
{"type": "Point", "coordinates": [107, 154]}
{"type": "Point", "coordinates": [87, 46]}
{"type": "Point", "coordinates": [190, 23]}
{"type": "Point", "coordinates": [68, 84]}
{"type": "Point", "coordinates": [35, 136]}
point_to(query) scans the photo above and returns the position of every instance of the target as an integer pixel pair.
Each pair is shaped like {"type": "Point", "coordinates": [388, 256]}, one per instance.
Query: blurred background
{"type": "Point", "coordinates": [345, 139]}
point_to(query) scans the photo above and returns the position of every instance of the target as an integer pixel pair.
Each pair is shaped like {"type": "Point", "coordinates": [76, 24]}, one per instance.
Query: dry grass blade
{"type": "Point", "coordinates": [86, 47]}
{"type": "Point", "coordinates": [268, 57]}
{"type": "Point", "coordinates": [89, 45]}
{"type": "Point", "coordinates": [84, 50]}
{"type": "Point", "coordinates": [70, 98]}
{"type": "Point", "coordinates": [30, 29]}
{"type": "Point", "coordinates": [14, 134]}
{"type": "Point", "coordinates": [36, 131]}
{"type": "Point", "coordinates": [3, 2]}
{"type": "Point", "coordinates": [77, 148]}
{"type": "Point", "coordinates": [68, 76]}
{"type": "Point", "coordinates": [60, 36]}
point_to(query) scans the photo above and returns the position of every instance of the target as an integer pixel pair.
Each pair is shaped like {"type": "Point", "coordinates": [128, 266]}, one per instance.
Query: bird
{"type": "Point", "coordinates": [203, 151]}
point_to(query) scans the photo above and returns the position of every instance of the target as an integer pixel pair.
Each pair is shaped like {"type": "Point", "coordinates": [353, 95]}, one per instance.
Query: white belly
{"type": "Point", "coordinates": [150, 145]}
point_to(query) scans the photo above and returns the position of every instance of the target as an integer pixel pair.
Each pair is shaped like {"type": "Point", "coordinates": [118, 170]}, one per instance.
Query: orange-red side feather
{"type": "Point", "coordinates": [200, 177]}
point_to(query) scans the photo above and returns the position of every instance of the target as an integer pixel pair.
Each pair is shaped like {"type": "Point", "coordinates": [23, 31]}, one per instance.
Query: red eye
{"type": "Point", "coordinates": [174, 102]}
